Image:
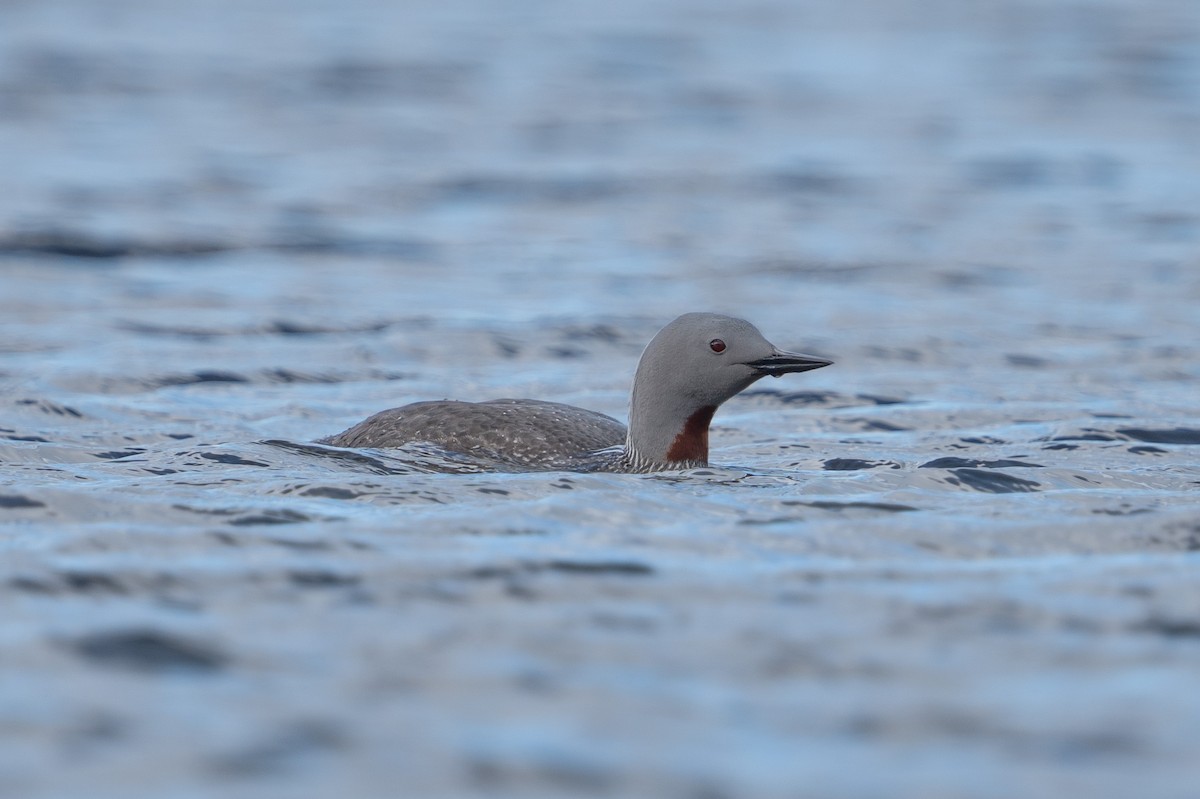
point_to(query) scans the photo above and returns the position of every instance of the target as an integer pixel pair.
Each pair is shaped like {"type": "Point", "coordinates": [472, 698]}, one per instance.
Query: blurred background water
{"type": "Point", "coordinates": [961, 562]}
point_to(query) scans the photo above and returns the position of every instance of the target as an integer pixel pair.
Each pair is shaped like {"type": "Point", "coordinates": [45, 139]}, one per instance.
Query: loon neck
{"type": "Point", "coordinates": [691, 443]}
{"type": "Point", "coordinates": [674, 446]}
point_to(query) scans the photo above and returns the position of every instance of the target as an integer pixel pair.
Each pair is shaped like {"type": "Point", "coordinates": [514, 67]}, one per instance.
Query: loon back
{"type": "Point", "coordinates": [523, 432]}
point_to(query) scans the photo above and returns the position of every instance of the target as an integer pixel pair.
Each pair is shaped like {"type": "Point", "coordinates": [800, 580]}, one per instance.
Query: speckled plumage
{"type": "Point", "coordinates": [521, 432]}
{"type": "Point", "coordinates": [686, 371]}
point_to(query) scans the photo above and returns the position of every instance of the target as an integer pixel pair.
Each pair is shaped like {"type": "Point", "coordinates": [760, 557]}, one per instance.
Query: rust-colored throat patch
{"type": "Point", "coordinates": [691, 444]}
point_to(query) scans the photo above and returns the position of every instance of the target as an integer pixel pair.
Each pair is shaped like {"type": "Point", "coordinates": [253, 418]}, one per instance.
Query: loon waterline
{"type": "Point", "coordinates": [688, 369]}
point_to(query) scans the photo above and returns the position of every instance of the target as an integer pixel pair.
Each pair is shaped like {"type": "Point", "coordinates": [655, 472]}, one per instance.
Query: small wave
{"type": "Point", "coordinates": [856, 464]}
{"type": "Point", "coordinates": [1176, 435]}
{"type": "Point", "coordinates": [959, 463]}
{"type": "Point", "coordinates": [149, 650]}
{"type": "Point", "coordinates": [16, 501]}
{"type": "Point", "coordinates": [817, 399]}
{"type": "Point", "coordinates": [991, 482]}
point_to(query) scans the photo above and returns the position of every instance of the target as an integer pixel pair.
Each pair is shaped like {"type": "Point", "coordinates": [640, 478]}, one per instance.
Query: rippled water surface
{"type": "Point", "coordinates": [963, 561]}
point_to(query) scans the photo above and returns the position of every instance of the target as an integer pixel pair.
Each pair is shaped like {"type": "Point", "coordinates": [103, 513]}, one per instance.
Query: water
{"type": "Point", "coordinates": [961, 561]}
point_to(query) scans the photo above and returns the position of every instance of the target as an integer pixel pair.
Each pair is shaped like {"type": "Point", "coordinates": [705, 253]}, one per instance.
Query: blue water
{"type": "Point", "coordinates": [962, 561]}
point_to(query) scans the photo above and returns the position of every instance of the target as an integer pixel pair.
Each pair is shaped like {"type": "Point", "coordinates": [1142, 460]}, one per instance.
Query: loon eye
{"type": "Point", "coordinates": [716, 345]}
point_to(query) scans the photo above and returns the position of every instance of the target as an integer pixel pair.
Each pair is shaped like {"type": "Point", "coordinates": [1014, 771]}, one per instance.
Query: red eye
{"type": "Point", "coordinates": [716, 345]}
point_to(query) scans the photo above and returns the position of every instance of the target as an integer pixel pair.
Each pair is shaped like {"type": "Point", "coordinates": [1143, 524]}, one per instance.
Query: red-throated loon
{"type": "Point", "coordinates": [686, 371]}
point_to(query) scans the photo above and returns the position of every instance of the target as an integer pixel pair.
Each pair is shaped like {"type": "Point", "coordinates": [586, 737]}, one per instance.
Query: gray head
{"type": "Point", "coordinates": [692, 366]}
